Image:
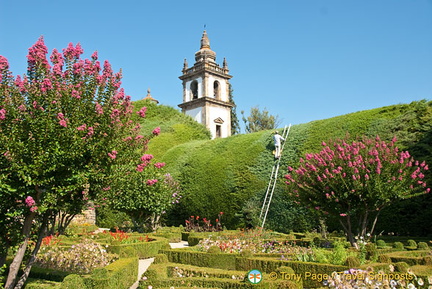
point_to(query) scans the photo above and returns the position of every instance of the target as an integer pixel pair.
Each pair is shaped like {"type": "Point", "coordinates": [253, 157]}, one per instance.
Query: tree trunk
{"type": "Point", "coordinates": [374, 222]}
{"type": "Point", "coordinates": [41, 235]}
{"type": "Point", "coordinates": [16, 263]}
{"type": "Point", "coordinates": [348, 231]}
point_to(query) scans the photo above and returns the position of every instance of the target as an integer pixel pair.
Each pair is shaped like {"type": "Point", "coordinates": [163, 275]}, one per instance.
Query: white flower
{"type": "Point", "coordinates": [420, 281]}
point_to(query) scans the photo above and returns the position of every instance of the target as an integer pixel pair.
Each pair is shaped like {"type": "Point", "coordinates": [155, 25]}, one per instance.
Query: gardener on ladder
{"type": "Point", "coordinates": [277, 138]}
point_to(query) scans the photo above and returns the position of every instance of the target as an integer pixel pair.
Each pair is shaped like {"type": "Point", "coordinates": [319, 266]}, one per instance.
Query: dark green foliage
{"type": "Point", "coordinates": [109, 218]}
{"type": "Point", "coordinates": [235, 126]}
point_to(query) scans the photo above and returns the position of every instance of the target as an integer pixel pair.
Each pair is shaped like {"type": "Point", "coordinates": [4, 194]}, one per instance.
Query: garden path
{"type": "Point", "coordinates": [145, 263]}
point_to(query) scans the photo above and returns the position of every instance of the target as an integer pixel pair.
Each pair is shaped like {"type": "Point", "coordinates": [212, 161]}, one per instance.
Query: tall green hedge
{"type": "Point", "coordinates": [223, 174]}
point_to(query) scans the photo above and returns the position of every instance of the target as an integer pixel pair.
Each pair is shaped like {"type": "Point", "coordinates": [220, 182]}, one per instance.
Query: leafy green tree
{"type": "Point", "coordinates": [260, 120]}
{"type": "Point", "coordinates": [235, 126]}
{"type": "Point", "coordinates": [62, 127]}
{"type": "Point", "coordinates": [143, 197]}
{"type": "Point", "coordinates": [355, 181]}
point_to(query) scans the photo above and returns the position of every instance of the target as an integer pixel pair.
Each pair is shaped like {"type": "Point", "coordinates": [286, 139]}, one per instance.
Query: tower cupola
{"type": "Point", "coordinates": [205, 53]}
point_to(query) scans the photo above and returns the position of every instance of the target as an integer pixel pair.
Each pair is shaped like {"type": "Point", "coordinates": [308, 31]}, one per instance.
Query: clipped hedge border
{"type": "Point", "coordinates": [142, 249]}
{"type": "Point", "coordinates": [118, 275]}
{"type": "Point", "coordinates": [310, 271]}
{"type": "Point", "coordinates": [204, 272]}
{"type": "Point", "coordinates": [216, 283]}
{"type": "Point", "coordinates": [410, 260]}
{"type": "Point", "coordinates": [194, 240]}
{"type": "Point", "coordinates": [202, 259]}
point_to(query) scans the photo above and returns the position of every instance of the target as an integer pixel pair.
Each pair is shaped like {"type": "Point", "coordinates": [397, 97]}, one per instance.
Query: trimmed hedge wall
{"type": "Point", "coordinates": [202, 259]}
{"type": "Point", "coordinates": [423, 257]}
{"type": "Point", "coordinates": [141, 250]}
{"type": "Point", "coordinates": [161, 276]}
{"type": "Point", "coordinates": [224, 174]}
{"type": "Point", "coordinates": [310, 271]}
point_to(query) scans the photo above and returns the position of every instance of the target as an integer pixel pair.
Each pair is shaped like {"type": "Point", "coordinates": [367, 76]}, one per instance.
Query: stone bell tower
{"type": "Point", "coordinates": [206, 91]}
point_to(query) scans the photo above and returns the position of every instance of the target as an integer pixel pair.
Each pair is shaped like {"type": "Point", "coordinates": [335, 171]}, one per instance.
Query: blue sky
{"type": "Point", "coordinates": [302, 60]}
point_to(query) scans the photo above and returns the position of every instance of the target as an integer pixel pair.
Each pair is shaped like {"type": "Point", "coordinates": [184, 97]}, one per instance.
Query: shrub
{"type": "Point", "coordinates": [371, 252]}
{"type": "Point", "coordinates": [381, 244]}
{"type": "Point", "coordinates": [423, 246]}
{"type": "Point", "coordinates": [73, 281]}
{"type": "Point", "coordinates": [214, 250]}
{"type": "Point", "coordinates": [285, 269]}
{"type": "Point", "coordinates": [384, 259]}
{"type": "Point", "coordinates": [160, 258]}
{"type": "Point", "coordinates": [401, 267]}
{"type": "Point", "coordinates": [398, 245]}
{"type": "Point", "coordinates": [411, 245]}
{"type": "Point", "coordinates": [246, 253]}
{"type": "Point", "coordinates": [339, 254]}
{"type": "Point", "coordinates": [352, 262]}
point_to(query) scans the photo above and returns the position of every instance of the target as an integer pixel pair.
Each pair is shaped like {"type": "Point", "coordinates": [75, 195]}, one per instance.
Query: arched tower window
{"type": "Point", "coordinates": [194, 89]}
{"type": "Point", "coordinates": [216, 90]}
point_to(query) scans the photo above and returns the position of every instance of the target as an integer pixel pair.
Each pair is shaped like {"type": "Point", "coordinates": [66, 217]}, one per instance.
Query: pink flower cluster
{"type": "Point", "coordinates": [112, 154]}
{"type": "Point", "coordinates": [2, 114]}
{"type": "Point", "coordinates": [99, 108]}
{"type": "Point", "coordinates": [72, 52]}
{"type": "Point", "coordinates": [152, 182]}
{"type": "Point", "coordinates": [3, 63]}
{"type": "Point", "coordinates": [30, 202]}
{"type": "Point", "coordinates": [159, 165]}
{"type": "Point", "coordinates": [37, 54]}
{"type": "Point", "coordinates": [62, 121]}
{"type": "Point", "coordinates": [156, 131]}
{"type": "Point", "coordinates": [142, 111]}
{"type": "Point", "coordinates": [145, 160]}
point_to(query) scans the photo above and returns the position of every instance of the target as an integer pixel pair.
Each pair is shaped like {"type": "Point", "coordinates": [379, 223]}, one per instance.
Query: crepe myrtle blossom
{"type": "Point", "coordinates": [156, 131]}
{"type": "Point", "coordinates": [142, 111]}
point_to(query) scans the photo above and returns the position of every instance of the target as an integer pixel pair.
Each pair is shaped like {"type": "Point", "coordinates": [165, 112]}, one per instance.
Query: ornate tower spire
{"type": "Point", "coordinates": [205, 53]}
{"type": "Point", "coordinates": [205, 42]}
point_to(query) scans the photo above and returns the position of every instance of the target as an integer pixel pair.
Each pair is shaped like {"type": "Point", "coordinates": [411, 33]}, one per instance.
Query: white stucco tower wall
{"type": "Point", "coordinates": [206, 91]}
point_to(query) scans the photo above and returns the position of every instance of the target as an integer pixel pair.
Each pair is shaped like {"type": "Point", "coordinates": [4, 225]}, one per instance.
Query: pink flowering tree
{"type": "Point", "coordinates": [354, 181]}
{"type": "Point", "coordinates": [62, 128]}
